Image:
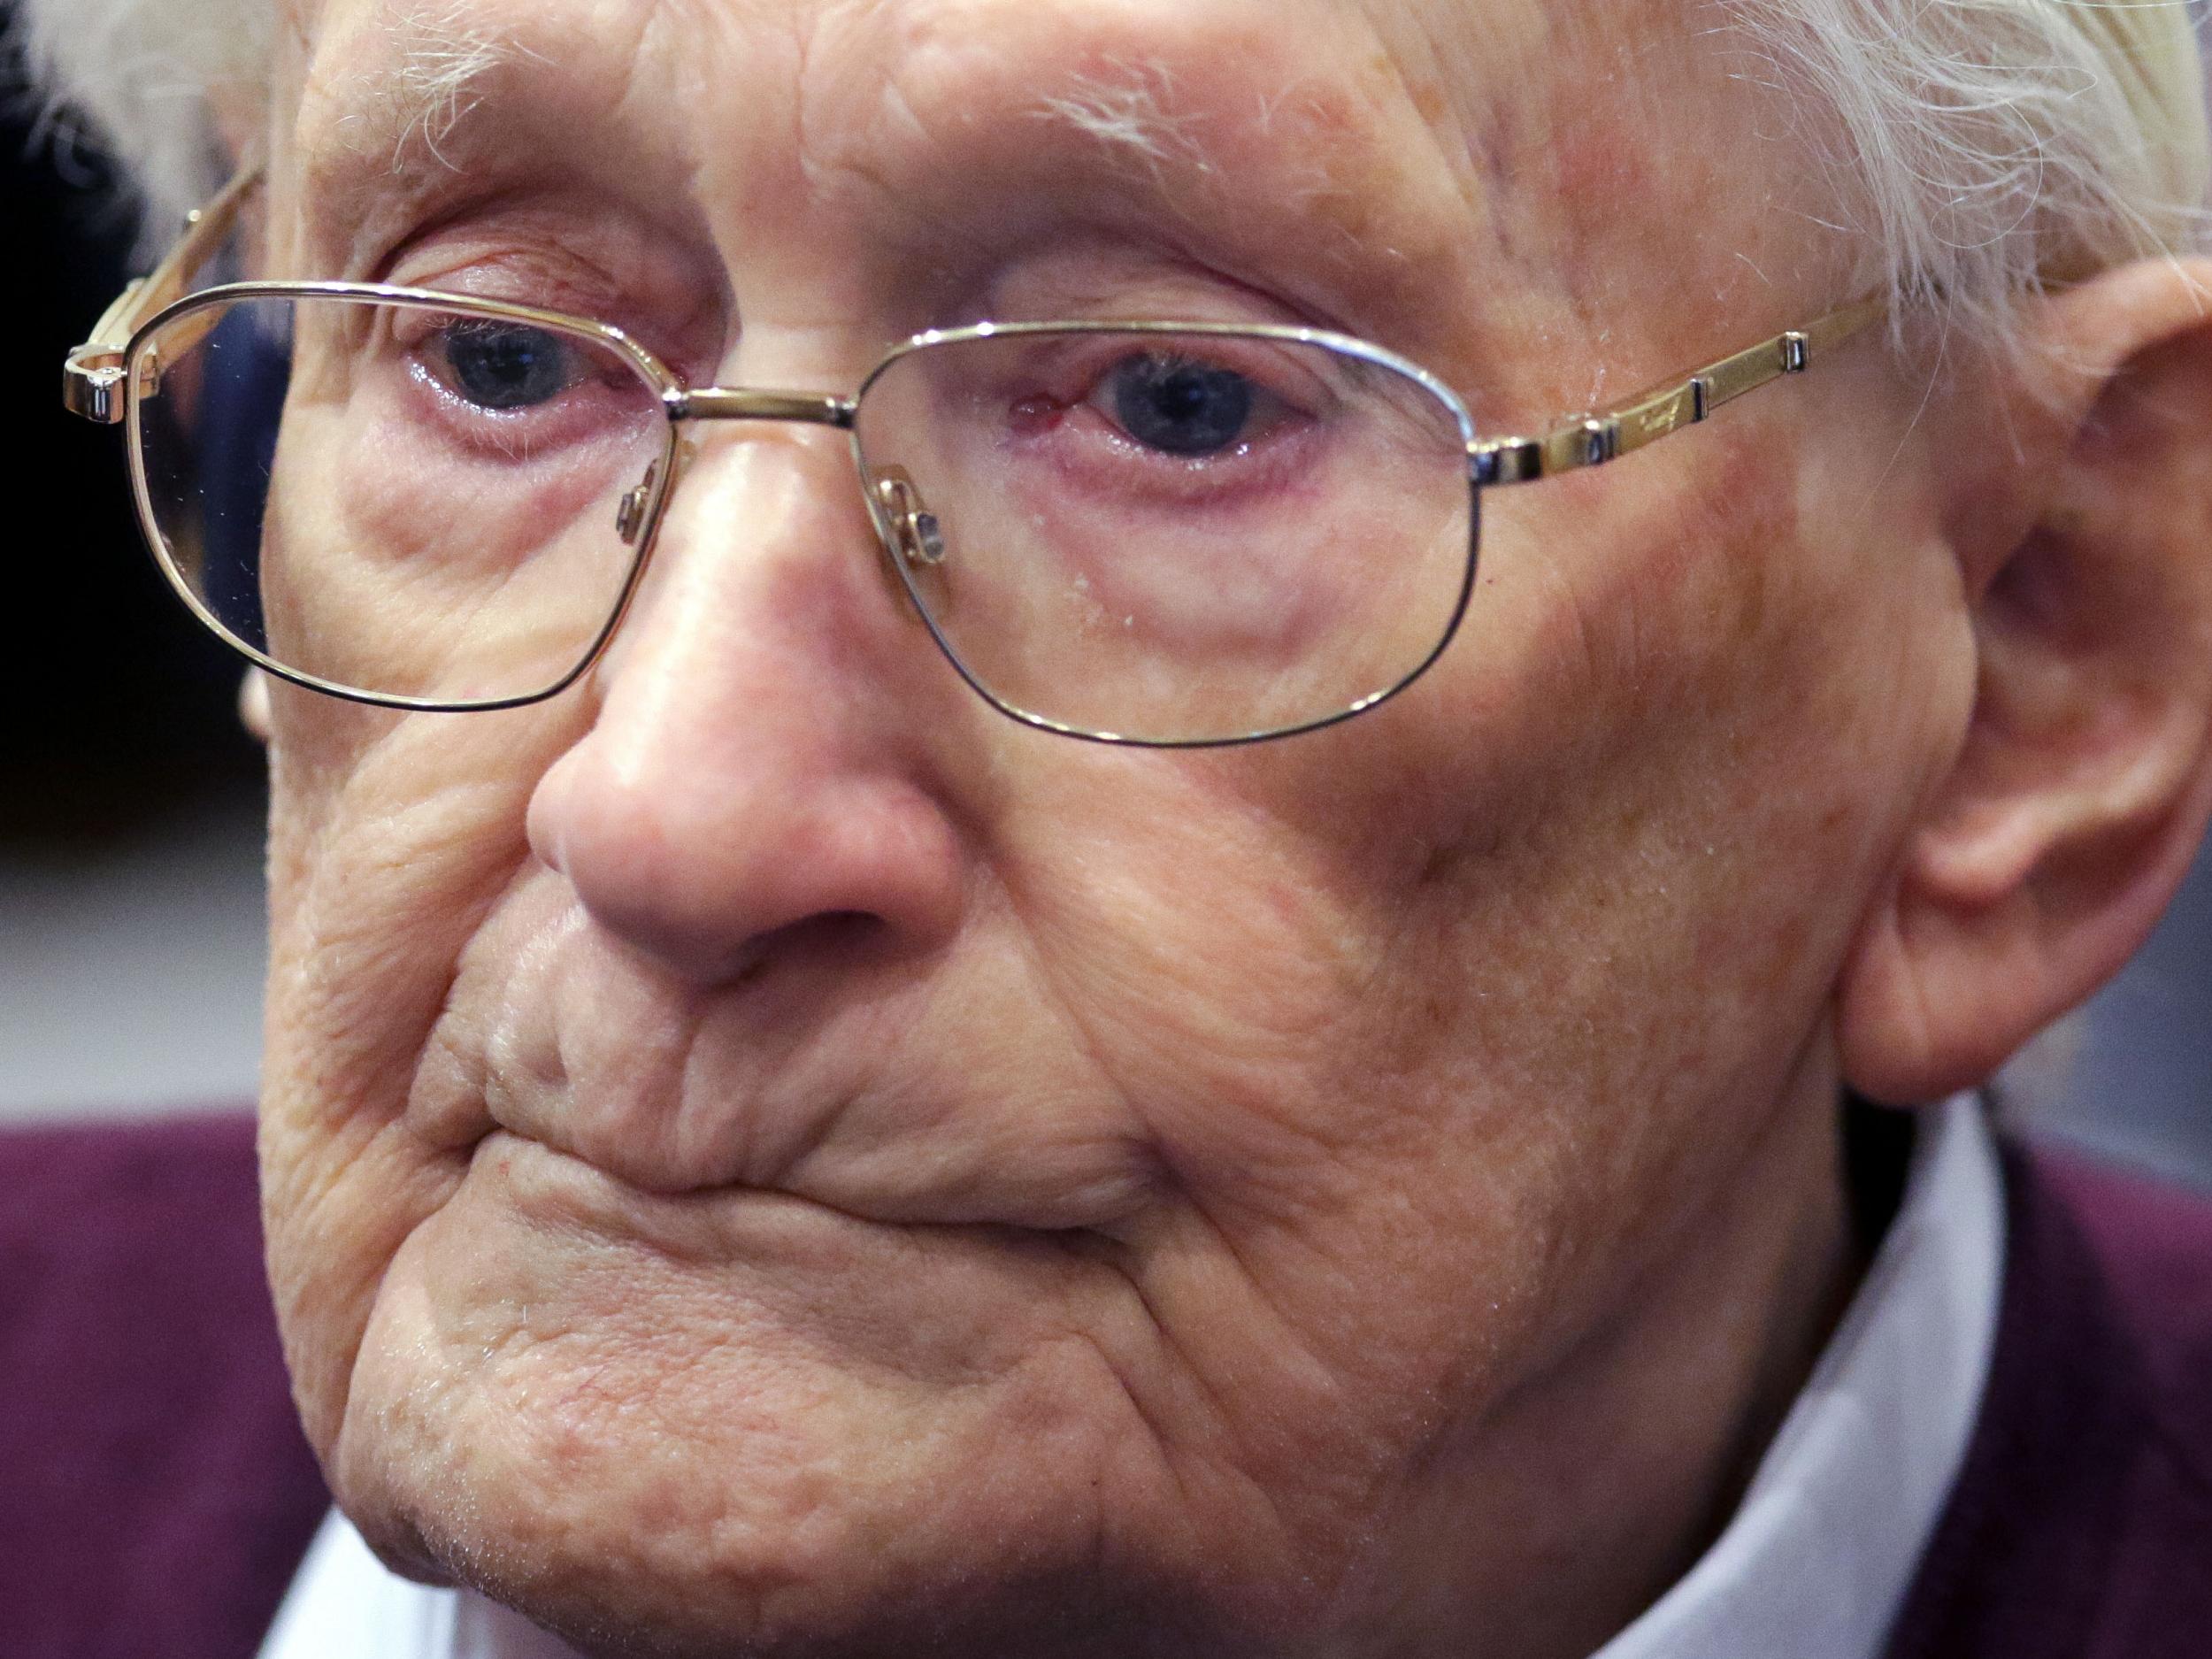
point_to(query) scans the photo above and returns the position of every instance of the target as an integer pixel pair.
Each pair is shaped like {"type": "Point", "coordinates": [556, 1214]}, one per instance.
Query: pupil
{"type": "Point", "coordinates": [1181, 407]}
{"type": "Point", "coordinates": [505, 366]}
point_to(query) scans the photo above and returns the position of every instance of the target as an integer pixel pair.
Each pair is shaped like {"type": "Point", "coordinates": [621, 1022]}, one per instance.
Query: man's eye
{"type": "Point", "coordinates": [502, 365]}
{"type": "Point", "coordinates": [1180, 406]}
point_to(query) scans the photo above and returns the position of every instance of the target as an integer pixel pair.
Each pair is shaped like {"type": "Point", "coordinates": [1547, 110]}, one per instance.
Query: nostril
{"type": "Point", "coordinates": [841, 935]}
{"type": "Point", "coordinates": [842, 931]}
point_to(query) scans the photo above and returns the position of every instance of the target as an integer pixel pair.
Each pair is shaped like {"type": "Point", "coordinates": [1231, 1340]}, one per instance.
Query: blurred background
{"type": "Point", "coordinates": [130, 800]}
{"type": "Point", "coordinates": [131, 949]}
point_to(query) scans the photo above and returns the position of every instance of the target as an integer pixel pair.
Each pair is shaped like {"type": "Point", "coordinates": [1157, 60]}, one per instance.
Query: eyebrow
{"type": "Point", "coordinates": [1125, 112]}
{"type": "Point", "coordinates": [432, 105]}
{"type": "Point", "coordinates": [442, 56]}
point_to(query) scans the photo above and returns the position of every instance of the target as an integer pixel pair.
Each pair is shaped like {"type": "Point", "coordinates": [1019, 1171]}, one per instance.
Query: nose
{"type": "Point", "coordinates": [760, 770]}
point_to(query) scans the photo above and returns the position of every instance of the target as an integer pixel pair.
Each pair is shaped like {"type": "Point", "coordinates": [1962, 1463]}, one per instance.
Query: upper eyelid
{"type": "Point", "coordinates": [638, 285]}
{"type": "Point", "coordinates": [604, 304]}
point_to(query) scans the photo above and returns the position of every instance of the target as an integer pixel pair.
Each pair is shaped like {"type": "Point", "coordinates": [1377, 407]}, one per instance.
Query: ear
{"type": "Point", "coordinates": [2082, 785]}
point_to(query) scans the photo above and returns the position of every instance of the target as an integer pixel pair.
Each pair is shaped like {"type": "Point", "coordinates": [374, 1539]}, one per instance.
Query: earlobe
{"type": "Point", "coordinates": [2084, 778]}
{"type": "Point", "coordinates": [253, 704]}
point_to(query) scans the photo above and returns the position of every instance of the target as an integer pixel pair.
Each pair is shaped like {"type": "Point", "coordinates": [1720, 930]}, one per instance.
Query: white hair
{"type": "Point", "coordinates": [1981, 148]}
{"type": "Point", "coordinates": [136, 77]}
{"type": "Point", "coordinates": [1986, 148]}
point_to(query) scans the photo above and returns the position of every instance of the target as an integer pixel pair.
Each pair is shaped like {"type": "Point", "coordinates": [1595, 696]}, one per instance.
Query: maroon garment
{"type": "Point", "coordinates": [155, 1496]}
{"type": "Point", "coordinates": [2081, 1525]}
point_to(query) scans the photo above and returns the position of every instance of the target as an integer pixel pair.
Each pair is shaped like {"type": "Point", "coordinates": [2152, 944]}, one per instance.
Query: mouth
{"type": "Point", "coordinates": [591, 1251]}
{"type": "Point", "coordinates": [566, 1194]}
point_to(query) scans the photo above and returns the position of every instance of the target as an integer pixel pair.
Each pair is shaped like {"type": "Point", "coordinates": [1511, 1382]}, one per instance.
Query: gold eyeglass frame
{"type": "Point", "coordinates": [101, 384]}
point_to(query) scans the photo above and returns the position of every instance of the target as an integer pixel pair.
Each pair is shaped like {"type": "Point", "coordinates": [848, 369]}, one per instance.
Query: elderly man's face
{"type": "Point", "coordinates": [762, 1147]}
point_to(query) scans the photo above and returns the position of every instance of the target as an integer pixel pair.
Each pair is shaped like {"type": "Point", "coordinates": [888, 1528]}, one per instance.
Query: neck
{"type": "Point", "coordinates": [1600, 1481]}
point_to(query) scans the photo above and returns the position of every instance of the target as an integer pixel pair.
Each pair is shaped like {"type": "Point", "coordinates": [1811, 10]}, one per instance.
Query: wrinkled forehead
{"type": "Point", "coordinates": [1447, 145]}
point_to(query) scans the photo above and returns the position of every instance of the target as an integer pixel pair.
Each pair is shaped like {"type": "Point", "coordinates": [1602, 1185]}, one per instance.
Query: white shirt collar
{"type": "Point", "coordinates": [344, 1603]}
{"type": "Point", "coordinates": [1814, 1565]}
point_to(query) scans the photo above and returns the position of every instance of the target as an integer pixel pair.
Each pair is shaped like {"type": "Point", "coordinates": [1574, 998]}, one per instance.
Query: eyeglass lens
{"type": "Point", "coordinates": [401, 500]}
{"type": "Point", "coordinates": [1177, 537]}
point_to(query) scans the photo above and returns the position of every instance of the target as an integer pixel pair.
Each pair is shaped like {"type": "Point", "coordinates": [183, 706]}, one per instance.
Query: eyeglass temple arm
{"type": "Point", "coordinates": [92, 377]}
{"type": "Point", "coordinates": [1594, 439]}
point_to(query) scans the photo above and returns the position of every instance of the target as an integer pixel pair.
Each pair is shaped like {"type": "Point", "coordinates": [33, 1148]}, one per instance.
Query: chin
{"type": "Point", "coordinates": [799, 1434]}
{"type": "Point", "coordinates": [827, 1515]}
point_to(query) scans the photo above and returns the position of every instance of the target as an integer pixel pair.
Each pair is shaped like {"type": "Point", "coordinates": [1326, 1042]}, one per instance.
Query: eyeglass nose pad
{"type": "Point", "coordinates": [916, 535]}
{"type": "Point", "coordinates": [629, 518]}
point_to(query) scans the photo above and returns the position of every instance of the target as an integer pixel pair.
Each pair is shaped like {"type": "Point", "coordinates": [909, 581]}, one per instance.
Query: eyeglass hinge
{"type": "Point", "coordinates": [91, 384]}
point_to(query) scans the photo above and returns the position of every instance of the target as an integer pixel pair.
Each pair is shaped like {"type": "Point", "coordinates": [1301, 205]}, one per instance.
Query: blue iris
{"type": "Point", "coordinates": [1180, 407]}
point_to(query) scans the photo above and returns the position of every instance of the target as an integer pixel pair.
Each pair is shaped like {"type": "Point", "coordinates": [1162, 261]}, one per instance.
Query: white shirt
{"type": "Point", "coordinates": [1813, 1566]}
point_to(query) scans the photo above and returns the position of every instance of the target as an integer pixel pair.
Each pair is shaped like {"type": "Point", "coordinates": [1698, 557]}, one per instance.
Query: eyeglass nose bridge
{"type": "Point", "coordinates": [739, 402]}
{"type": "Point", "coordinates": [910, 530]}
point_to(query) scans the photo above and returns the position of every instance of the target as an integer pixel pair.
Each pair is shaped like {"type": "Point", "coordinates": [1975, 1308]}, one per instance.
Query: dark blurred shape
{"type": "Point", "coordinates": [116, 709]}
{"type": "Point", "coordinates": [2133, 1080]}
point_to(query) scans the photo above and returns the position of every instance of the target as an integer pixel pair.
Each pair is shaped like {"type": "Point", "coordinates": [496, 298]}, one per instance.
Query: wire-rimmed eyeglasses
{"type": "Point", "coordinates": [1130, 531]}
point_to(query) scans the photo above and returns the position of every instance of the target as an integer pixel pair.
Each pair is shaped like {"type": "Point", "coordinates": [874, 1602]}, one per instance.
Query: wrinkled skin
{"type": "Point", "coordinates": [766, 1155]}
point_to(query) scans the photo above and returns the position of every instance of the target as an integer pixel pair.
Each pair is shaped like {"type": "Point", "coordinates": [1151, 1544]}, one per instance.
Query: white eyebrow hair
{"type": "Point", "coordinates": [443, 54]}
{"type": "Point", "coordinates": [1128, 111]}
{"type": "Point", "coordinates": [1125, 111]}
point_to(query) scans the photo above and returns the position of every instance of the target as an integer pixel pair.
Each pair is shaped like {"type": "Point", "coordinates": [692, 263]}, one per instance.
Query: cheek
{"type": "Point", "coordinates": [391, 838]}
{"type": "Point", "coordinates": [1706, 667]}
{"type": "Point", "coordinates": [1602, 867]}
